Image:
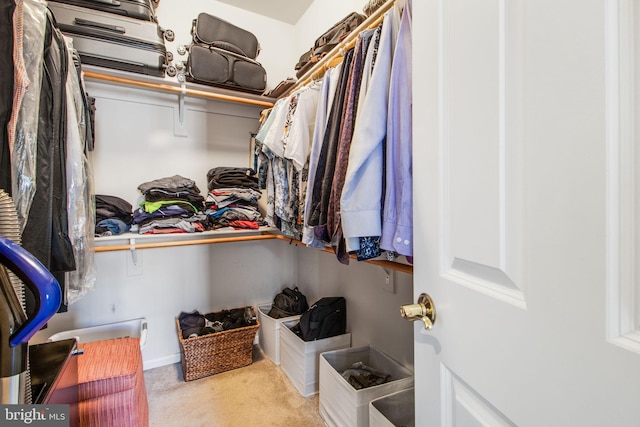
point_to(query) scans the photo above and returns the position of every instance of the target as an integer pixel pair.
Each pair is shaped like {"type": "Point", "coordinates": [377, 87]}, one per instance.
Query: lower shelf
{"type": "Point", "coordinates": [133, 241]}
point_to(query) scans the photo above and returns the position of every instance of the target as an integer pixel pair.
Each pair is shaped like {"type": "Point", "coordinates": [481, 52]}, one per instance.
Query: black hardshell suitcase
{"type": "Point", "coordinates": [218, 67]}
{"type": "Point", "coordinates": [213, 31]}
{"type": "Point", "coordinates": [113, 41]}
{"type": "Point", "coordinates": [138, 9]}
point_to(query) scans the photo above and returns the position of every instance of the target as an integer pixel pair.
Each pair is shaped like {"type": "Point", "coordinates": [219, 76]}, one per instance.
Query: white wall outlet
{"type": "Point", "coordinates": [388, 283]}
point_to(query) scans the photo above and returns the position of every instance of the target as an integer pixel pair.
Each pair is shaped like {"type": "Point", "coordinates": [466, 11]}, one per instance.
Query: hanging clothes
{"type": "Point", "coordinates": [6, 90]}
{"type": "Point", "coordinates": [338, 170]}
{"type": "Point", "coordinates": [334, 228]}
{"type": "Point", "coordinates": [80, 204]}
{"type": "Point", "coordinates": [29, 33]}
{"type": "Point", "coordinates": [362, 193]}
{"type": "Point", "coordinates": [46, 233]}
{"type": "Point", "coordinates": [328, 153]}
{"type": "Point", "coordinates": [325, 98]}
{"type": "Point", "coordinates": [298, 145]}
{"type": "Point", "coordinates": [397, 227]}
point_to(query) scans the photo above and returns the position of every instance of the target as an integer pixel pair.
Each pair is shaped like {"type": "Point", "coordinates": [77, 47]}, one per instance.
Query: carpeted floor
{"type": "Point", "coordinates": [258, 395]}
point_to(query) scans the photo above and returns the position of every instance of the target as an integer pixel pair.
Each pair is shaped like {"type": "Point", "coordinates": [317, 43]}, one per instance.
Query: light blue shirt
{"type": "Point", "coordinates": [361, 199]}
{"type": "Point", "coordinates": [397, 226]}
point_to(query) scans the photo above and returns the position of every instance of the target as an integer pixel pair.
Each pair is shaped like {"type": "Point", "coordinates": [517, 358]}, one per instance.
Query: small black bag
{"type": "Point", "coordinates": [326, 318]}
{"type": "Point", "coordinates": [289, 302]}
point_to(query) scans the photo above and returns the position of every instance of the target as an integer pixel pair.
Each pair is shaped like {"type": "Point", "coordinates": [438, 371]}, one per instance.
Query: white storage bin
{"type": "Point", "coordinates": [343, 405]}
{"type": "Point", "coordinates": [269, 332]}
{"type": "Point", "coordinates": [393, 410]}
{"type": "Point", "coordinates": [136, 328]}
{"type": "Point", "coordinates": [299, 359]}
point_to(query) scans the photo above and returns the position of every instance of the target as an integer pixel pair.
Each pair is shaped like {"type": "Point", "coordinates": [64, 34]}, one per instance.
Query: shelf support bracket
{"type": "Point", "coordinates": [132, 249]}
{"type": "Point", "coordinates": [179, 128]}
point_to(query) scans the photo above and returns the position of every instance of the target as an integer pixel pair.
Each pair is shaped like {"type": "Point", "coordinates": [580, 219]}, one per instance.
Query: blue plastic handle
{"type": "Point", "coordinates": [39, 280]}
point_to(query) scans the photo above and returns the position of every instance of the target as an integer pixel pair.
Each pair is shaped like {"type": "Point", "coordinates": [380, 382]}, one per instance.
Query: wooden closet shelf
{"type": "Point", "coordinates": [158, 84]}
{"type": "Point", "coordinates": [152, 241]}
{"type": "Point", "coordinates": [112, 243]}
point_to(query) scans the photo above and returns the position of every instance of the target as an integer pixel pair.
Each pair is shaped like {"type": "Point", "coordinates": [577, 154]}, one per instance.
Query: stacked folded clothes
{"type": "Point", "coordinates": [233, 197]}
{"type": "Point", "coordinates": [171, 205]}
{"type": "Point", "coordinates": [113, 215]}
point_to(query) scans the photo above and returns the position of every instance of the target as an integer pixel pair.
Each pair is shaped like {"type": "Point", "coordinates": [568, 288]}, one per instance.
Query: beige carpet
{"type": "Point", "coordinates": [258, 395]}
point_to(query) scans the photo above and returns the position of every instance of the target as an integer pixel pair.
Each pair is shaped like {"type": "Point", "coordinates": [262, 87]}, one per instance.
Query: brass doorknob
{"type": "Point", "coordinates": [424, 310]}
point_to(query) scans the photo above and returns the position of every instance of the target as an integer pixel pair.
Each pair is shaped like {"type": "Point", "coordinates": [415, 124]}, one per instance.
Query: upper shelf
{"type": "Point", "coordinates": [164, 85]}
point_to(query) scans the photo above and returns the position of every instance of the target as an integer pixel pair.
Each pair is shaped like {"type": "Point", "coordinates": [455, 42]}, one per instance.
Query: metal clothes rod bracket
{"type": "Point", "coordinates": [132, 250]}
{"type": "Point", "coordinates": [181, 105]}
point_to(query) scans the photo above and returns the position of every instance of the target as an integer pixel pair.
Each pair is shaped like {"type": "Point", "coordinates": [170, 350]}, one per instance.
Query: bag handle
{"type": "Point", "coordinates": [228, 47]}
{"type": "Point", "coordinates": [109, 2]}
{"type": "Point", "coordinates": [93, 24]}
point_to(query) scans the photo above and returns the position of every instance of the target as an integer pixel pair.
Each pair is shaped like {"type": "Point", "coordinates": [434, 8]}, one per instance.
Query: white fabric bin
{"type": "Point", "coordinates": [269, 332]}
{"type": "Point", "coordinates": [299, 359]}
{"type": "Point", "coordinates": [136, 328]}
{"type": "Point", "coordinates": [393, 410]}
{"type": "Point", "coordinates": [340, 403]}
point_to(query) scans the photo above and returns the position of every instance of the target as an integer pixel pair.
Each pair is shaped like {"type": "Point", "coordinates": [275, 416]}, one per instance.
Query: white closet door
{"type": "Point", "coordinates": [526, 212]}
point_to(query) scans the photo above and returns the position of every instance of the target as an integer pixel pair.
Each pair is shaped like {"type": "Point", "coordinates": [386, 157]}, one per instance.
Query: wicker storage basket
{"type": "Point", "coordinates": [218, 352]}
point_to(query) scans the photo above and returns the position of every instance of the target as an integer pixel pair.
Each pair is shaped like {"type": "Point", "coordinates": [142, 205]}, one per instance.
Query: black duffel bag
{"type": "Point", "coordinates": [218, 67]}
{"type": "Point", "coordinates": [328, 41]}
{"type": "Point", "coordinates": [289, 302]}
{"type": "Point", "coordinates": [213, 31]}
{"type": "Point", "coordinates": [326, 318]}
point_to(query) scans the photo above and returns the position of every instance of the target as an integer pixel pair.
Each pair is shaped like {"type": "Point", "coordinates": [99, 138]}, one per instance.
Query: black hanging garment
{"type": "Point", "coordinates": [46, 231]}
{"type": "Point", "coordinates": [327, 161]}
{"type": "Point", "coordinates": [6, 90]}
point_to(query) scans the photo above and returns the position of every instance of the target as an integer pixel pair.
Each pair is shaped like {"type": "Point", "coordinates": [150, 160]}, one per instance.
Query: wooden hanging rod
{"type": "Point", "coordinates": [334, 56]}
{"type": "Point", "coordinates": [175, 243]}
{"type": "Point", "coordinates": [175, 89]}
{"type": "Point", "coordinates": [404, 268]}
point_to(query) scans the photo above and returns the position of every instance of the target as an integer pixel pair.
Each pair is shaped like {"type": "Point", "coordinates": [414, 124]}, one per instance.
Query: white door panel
{"type": "Point", "coordinates": [623, 100]}
{"type": "Point", "coordinates": [525, 206]}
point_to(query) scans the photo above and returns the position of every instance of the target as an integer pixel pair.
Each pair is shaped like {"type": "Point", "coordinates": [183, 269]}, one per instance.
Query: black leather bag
{"type": "Point", "coordinates": [326, 318]}
{"type": "Point", "coordinates": [218, 67]}
{"type": "Point", "coordinates": [289, 302]}
{"type": "Point", "coordinates": [213, 31]}
{"type": "Point", "coordinates": [327, 41]}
